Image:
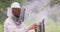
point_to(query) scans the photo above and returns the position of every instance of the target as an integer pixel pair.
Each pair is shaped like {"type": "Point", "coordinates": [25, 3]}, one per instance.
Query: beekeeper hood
{"type": "Point", "coordinates": [14, 5]}
{"type": "Point", "coordinates": [11, 16]}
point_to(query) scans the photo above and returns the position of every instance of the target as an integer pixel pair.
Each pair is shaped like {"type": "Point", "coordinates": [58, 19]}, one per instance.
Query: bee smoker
{"type": "Point", "coordinates": [41, 27]}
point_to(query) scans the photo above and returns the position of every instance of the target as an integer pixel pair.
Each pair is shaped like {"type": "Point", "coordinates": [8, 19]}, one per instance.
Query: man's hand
{"type": "Point", "coordinates": [34, 26]}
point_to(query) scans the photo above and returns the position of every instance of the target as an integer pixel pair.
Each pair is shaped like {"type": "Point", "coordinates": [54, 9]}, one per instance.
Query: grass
{"type": "Point", "coordinates": [52, 26]}
{"type": "Point", "coordinates": [1, 27]}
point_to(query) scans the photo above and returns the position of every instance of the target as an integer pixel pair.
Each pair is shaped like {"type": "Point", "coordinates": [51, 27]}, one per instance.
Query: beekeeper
{"type": "Point", "coordinates": [15, 20]}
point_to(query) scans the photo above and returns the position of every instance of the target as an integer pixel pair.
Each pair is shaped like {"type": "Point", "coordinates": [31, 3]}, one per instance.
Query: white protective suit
{"type": "Point", "coordinates": [11, 21]}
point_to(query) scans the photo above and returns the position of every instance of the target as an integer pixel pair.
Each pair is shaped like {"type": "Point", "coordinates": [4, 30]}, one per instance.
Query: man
{"type": "Point", "coordinates": [14, 22]}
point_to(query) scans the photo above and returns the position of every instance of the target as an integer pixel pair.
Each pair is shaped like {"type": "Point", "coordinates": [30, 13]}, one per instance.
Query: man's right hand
{"type": "Point", "coordinates": [34, 26]}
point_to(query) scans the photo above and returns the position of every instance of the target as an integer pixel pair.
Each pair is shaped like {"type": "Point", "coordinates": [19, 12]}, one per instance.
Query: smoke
{"type": "Point", "coordinates": [35, 9]}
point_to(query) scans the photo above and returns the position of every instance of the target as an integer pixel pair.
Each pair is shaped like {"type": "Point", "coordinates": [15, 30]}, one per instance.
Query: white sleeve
{"type": "Point", "coordinates": [26, 30]}
{"type": "Point", "coordinates": [5, 27]}
{"type": "Point", "coordinates": [5, 30]}
{"type": "Point", "coordinates": [8, 27]}
{"type": "Point", "coordinates": [31, 30]}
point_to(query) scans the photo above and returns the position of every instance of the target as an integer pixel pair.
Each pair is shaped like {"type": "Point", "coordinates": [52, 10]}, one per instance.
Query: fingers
{"type": "Point", "coordinates": [34, 26]}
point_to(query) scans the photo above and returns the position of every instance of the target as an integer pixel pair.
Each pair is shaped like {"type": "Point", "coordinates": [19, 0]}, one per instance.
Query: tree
{"type": "Point", "coordinates": [3, 7]}
{"type": "Point", "coordinates": [53, 2]}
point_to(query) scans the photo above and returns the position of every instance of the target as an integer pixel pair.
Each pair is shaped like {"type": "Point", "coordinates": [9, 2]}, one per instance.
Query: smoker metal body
{"type": "Point", "coordinates": [41, 27]}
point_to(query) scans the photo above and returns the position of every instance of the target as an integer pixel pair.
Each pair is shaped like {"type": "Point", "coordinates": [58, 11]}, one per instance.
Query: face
{"type": "Point", "coordinates": [16, 11]}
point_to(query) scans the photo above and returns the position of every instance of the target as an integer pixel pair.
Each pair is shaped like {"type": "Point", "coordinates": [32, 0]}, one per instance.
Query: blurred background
{"type": "Point", "coordinates": [50, 7]}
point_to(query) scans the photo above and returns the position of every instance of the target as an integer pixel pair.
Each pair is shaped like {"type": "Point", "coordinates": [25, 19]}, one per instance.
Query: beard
{"type": "Point", "coordinates": [17, 16]}
{"type": "Point", "coordinates": [17, 20]}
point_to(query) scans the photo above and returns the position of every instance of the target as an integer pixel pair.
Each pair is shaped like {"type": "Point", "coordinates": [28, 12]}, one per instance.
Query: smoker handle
{"type": "Point", "coordinates": [41, 27]}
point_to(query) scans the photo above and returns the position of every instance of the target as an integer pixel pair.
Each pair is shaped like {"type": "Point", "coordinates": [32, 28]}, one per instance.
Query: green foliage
{"type": "Point", "coordinates": [1, 28]}
{"type": "Point", "coordinates": [53, 2]}
{"type": "Point", "coordinates": [52, 26]}
{"type": "Point", "coordinates": [3, 7]}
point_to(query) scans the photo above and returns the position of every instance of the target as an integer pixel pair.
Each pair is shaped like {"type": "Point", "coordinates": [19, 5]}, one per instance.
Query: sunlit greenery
{"type": "Point", "coordinates": [53, 2]}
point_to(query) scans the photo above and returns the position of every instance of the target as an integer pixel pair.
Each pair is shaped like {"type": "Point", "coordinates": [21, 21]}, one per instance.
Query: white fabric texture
{"type": "Point", "coordinates": [15, 5]}
{"type": "Point", "coordinates": [9, 26]}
